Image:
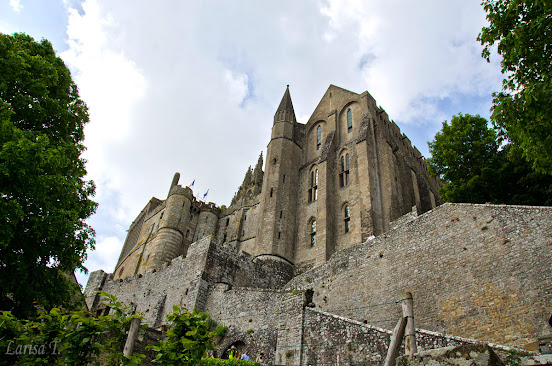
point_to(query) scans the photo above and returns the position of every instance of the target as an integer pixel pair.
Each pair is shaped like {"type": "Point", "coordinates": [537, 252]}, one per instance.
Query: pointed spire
{"type": "Point", "coordinates": [285, 112]}
{"type": "Point", "coordinates": [258, 174]}
{"type": "Point", "coordinates": [248, 179]}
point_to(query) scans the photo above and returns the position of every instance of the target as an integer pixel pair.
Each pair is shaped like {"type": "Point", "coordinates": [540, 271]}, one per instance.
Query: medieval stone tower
{"type": "Point", "coordinates": [327, 184]}
{"type": "Point", "coordinates": [278, 204]}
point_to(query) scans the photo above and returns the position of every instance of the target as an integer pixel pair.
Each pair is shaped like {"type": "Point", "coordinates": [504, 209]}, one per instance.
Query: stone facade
{"type": "Point", "coordinates": [330, 292]}
{"type": "Point", "coordinates": [343, 176]}
{"type": "Point", "coordinates": [476, 271]}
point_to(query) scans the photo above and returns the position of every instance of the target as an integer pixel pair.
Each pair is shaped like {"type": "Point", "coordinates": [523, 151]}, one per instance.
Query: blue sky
{"type": "Point", "coordinates": [192, 86]}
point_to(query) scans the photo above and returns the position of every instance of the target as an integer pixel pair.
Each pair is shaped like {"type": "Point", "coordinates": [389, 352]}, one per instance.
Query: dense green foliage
{"type": "Point", "coordinates": [522, 30]}
{"type": "Point", "coordinates": [44, 199]}
{"type": "Point", "coordinates": [58, 337]}
{"type": "Point", "coordinates": [474, 168]}
{"type": "Point", "coordinates": [188, 339]}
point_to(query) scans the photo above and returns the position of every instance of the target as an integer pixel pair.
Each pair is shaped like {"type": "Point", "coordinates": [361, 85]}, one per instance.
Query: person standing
{"type": "Point", "coordinates": [232, 353]}
{"type": "Point", "coordinates": [260, 358]}
{"type": "Point", "coordinates": [245, 356]}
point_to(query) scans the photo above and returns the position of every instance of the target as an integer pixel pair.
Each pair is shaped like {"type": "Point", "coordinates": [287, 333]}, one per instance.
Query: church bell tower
{"type": "Point", "coordinates": [278, 208]}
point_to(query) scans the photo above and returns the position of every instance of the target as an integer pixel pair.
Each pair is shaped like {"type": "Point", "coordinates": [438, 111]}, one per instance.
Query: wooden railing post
{"type": "Point", "coordinates": [132, 335]}
{"type": "Point", "coordinates": [396, 341]}
{"type": "Point", "coordinates": [410, 347]}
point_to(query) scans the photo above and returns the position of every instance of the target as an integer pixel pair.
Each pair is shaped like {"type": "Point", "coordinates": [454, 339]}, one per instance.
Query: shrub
{"type": "Point", "coordinates": [59, 337]}
{"type": "Point", "coordinates": [188, 339]}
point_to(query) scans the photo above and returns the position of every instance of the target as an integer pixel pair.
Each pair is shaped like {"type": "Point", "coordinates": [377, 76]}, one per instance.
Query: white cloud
{"type": "Point", "coordinates": [16, 5]}
{"type": "Point", "coordinates": [237, 86]}
{"type": "Point", "coordinates": [111, 85]}
{"type": "Point", "coordinates": [421, 52]}
{"type": "Point", "coordinates": [104, 257]}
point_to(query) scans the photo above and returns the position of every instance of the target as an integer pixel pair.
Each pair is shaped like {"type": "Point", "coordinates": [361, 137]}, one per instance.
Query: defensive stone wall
{"type": "Point", "coordinates": [186, 280]}
{"type": "Point", "coordinates": [251, 315]}
{"type": "Point", "coordinates": [476, 271]}
{"type": "Point", "coordinates": [331, 339]}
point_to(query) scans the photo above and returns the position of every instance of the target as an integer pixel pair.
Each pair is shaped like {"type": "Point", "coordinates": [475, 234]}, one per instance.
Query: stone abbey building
{"type": "Point", "coordinates": [335, 181]}
{"type": "Point", "coordinates": [308, 261]}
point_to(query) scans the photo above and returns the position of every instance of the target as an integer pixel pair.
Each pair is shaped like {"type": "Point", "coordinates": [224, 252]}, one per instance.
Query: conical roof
{"type": "Point", "coordinates": [285, 110]}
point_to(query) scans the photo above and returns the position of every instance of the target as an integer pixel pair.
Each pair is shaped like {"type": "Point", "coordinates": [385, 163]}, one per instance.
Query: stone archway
{"type": "Point", "coordinates": [240, 346]}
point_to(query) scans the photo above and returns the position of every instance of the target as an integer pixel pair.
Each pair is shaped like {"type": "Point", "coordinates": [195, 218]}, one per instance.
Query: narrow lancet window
{"type": "Point", "coordinates": [313, 188]}
{"type": "Point", "coordinates": [349, 120]}
{"type": "Point", "coordinates": [347, 218]}
{"type": "Point", "coordinates": [318, 137]}
{"type": "Point", "coordinates": [313, 233]}
{"type": "Point", "coordinates": [344, 176]}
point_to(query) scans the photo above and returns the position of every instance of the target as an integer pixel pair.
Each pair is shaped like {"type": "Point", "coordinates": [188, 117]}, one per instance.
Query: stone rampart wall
{"type": "Point", "coordinates": [186, 280]}
{"type": "Point", "coordinates": [476, 271]}
{"type": "Point", "coordinates": [331, 339]}
{"type": "Point", "coordinates": [251, 316]}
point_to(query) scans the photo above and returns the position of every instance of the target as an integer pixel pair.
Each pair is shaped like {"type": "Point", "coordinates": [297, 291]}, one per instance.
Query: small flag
{"type": "Point", "coordinates": [191, 185]}
{"type": "Point", "coordinates": [205, 195]}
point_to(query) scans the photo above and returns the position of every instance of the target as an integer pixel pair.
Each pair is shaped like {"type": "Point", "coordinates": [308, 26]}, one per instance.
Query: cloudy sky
{"type": "Point", "coordinates": [192, 86]}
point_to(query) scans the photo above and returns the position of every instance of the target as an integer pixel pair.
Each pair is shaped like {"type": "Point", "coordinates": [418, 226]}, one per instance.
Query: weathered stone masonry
{"type": "Point", "coordinates": [307, 294]}
{"type": "Point", "coordinates": [476, 271]}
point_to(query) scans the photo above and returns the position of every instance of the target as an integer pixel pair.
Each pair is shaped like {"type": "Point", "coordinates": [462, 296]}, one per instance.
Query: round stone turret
{"type": "Point", "coordinates": [169, 239]}
{"type": "Point", "coordinates": [207, 222]}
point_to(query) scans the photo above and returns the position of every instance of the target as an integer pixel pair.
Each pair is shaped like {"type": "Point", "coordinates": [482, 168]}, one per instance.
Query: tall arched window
{"type": "Point", "coordinates": [349, 120]}
{"type": "Point", "coordinates": [313, 233]}
{"type": "Point", "coordinates": [344, 176]}
{"type": "Point", "coordinates": [313, 187]}
{"type": "Point", "coordinates": [347, 218]}
{"type": "Point", "coordinates": [318, 137]}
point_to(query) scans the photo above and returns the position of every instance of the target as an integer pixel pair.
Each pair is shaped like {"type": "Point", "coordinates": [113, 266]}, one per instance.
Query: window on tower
{"type": "Point", "coordinates": [349, 120]}
{"type": "Point", "coordinates": [313, 233]}
{"type": "Point", "coordinates": [344, 176]}
{"type": "Point", "coordinates": [347, 218]}
{"type": "Point", "coordinates": [318, 137]}
{"type": "Point", "coordinates": [313, 187]}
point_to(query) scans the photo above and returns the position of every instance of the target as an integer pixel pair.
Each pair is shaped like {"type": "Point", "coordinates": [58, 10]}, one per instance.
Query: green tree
{"type": "Point", "coordinates": [517, 183]}
{"type": "Point", "coordinates": [522, 30]}
{"type": "Point", "coordinates": [44, 198]}
{"type": "Point", "coordinates": [188, 339]}
{"type": "Point", "coordinates": [463, 155]}
{"type": "Point", "coordinates": [474, 168]}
